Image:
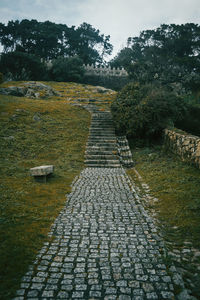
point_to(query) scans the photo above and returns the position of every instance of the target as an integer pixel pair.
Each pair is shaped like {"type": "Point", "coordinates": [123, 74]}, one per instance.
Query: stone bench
{"type": "Point", "coordinates": [40, 173]}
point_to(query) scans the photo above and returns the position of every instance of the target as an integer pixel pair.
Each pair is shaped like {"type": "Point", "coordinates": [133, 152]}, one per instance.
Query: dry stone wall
{"type": "Point", "coordinates": [113, 78]}
{"type": "Point", "coordinates": [184, 145]}
{"type": "Point", "coordinates": [105, 71]}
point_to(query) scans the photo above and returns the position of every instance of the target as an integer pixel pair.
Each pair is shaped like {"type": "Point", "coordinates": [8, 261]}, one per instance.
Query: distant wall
{"type": "Point", "coordinates": [186, 146]}
{"type": "Point", "coordinates": [105, 71]}
{"type": "Point", "coordinates": [113, 78]}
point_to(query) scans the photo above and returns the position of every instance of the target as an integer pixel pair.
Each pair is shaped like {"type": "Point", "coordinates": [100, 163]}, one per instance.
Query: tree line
{"type": "Point", "coordinates": [167, 55]}
{"type": "Point", "coordinates": [48, 40]}
{"type": "Point", "coordinates": [29, 44]}
{"type": "Point", "coordinates": [164, 66]}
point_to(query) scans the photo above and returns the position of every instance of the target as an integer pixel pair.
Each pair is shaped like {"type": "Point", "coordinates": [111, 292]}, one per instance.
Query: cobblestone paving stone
{"type": "Point", "coordinates": [104, 246]}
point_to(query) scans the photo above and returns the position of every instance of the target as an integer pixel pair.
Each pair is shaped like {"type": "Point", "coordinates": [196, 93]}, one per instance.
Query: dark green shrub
{"type": "Point", "coordinates": [145, 110]}
{"type": "Point", "coordinates": [1, 77]}
{"type": "Point", "coordinates": [67, 69]}
{"type": "Point", "coordinates": [191, 121]}
{"type": "Point", "coordinates": [22, 66]}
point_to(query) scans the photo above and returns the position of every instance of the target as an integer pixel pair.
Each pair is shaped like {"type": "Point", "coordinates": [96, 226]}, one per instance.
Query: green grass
{"type": "Point", "coordinates": [70, 92]}
{"type": "Point", "coordinates": [177, 186]}
{"type": "Point", "coordinates": [28, 208]}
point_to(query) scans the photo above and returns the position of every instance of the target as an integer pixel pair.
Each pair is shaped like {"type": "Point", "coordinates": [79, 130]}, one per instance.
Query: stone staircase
{"type": "Point", "coordinates": [102, 149]}
{"type": "Point", "coordinates": [125, 155]}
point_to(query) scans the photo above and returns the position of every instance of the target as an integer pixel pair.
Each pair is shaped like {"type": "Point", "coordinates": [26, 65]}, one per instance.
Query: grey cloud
{"type": "Point", "coordinates": [119, 18]}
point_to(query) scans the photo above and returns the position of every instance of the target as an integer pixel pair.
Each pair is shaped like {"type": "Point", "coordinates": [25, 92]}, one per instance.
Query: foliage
{"type": "Point", "coordinates": [145, 110]}
{"type": "Point", "coordinates": [89, 44]}
{"type": "Point", "coordinates": [48, 40]}
{"type": "Point", "coordinates": [22, 66]}
{"type": "Point", "coordinates": [191, 121]}
{"type": "Point", "coordinates": [1, 77]}
{"type": "Point", "coordinates": [168, 54]}
{"type": "Point", "coordinates": [67, 69]}
{"type": "Point", "coordinates": [123, 58]}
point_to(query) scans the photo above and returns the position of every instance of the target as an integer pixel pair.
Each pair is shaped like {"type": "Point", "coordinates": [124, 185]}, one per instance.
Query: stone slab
{"type": "Point", "coordinates": [42, 170]}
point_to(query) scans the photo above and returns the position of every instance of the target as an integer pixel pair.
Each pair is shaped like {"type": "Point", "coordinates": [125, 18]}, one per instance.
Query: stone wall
{"type": "Point", "coordinates": [92, 70]}
{"type": "Point", "coordinates": [184, 145]}
{"type": "Point", "coordinates": [112, 78]}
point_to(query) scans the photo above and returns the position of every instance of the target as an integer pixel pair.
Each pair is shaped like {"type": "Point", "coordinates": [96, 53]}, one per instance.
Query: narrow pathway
{"type": "Point", "coordinates": [104, 246]}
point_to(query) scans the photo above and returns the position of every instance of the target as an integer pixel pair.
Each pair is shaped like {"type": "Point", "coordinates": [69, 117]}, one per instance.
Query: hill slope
{"type": "Point", "coordinates": [38, 131]}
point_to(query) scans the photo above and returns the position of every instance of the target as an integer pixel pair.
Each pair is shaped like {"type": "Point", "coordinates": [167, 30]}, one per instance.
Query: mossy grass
{"type": "Point", "coordinates": [70, 91]}
{"type": "Point", "coordinates": [35, 132]}
{"type": "Point", "coordinates": [177, 186]}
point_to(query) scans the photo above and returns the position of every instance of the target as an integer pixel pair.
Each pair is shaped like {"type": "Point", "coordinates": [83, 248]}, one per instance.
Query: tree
{"type": "Point", "coordinates": [166, 55]}
{"type": "Point", "coordinates": [67, 69]}
{"type": "Point", "coordinates": [144, 110]}
{"type": "Point", "coordinates": [43, 39]}
{"type": "Point", "coordinates": [48, 40]}
{"type": "Point", "coordinates": [22, 66]}
{"type": "Point", "coordinates": [89, 44]}
{"type": "Point", "coordinates": [123, 59]}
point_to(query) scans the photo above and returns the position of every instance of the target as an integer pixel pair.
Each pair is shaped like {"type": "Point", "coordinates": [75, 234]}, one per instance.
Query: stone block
{"type": "Point", "coordinates": [198, 150]}
{"type": "Point", "coordinates": [40, 173]}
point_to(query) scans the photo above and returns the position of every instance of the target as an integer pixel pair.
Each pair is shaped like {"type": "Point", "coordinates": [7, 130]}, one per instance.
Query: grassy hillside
{"type": "Point", "coordinates": [37, 132]}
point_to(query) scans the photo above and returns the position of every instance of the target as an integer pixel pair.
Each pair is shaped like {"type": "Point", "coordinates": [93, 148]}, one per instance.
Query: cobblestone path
{"type": "Point", "coordinates": [104, 245]}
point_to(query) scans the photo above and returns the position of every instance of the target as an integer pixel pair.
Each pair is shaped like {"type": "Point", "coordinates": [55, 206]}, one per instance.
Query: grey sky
{"type": "Point", "coordinates": [118, 18]}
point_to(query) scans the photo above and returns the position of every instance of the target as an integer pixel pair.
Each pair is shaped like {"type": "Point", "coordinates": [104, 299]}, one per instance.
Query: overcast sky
{"type": "Point", "coordinates": [118, 18]}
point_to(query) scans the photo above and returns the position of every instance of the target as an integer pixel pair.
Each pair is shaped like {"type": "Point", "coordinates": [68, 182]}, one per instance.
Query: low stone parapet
{"type": "Point", "coordinates": [185, 145]}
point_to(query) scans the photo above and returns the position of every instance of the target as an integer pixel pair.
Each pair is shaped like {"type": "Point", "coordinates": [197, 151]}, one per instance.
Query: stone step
{"type": "Point", "coordinates": [100, 114]}
{"type": "Point", "coordinates": [101, 152]}
{"type": "Point", "coordinates": [102, 133]}
{"type": "Point", "coordinates": [126, 153]}
{"type": "Point", "coordinates": [103, 162]}
{"type": "Point", "coordinates": [104, 138]}
{"type": "Point", "coordinates": [102, 119]}
{"type": "Point", "coordinates": [124, 148]}
{"type": "Point", "coordinates": [101, 157]}
{"type": "Point", "coordinates": [102, 125]}
{"type": "Point", "coordinates": [109, 120]}
{"type": "Point", "coordinates": [126, 156]}
{"type": "Point", "coordinates": [98, 117]}
{"type": "Point", "coordinates": [122, 144]}
{"type": "Point", "coordinates": [97, 121]}
{"type": "Point", "coordinates": [103, 148]}
{"type": "Point", "coordinates": [102, 111]}
{"type": "Point", "coordinates": [100, 129]}
{"type": "Point", "coordinates": [111, 128]}
{"type": "Point", "coordinates": [103, 166]}
{"type": "Point", "coordinates": [102, 144]}
{"type": "Point", "coordinates": [97, 129]}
